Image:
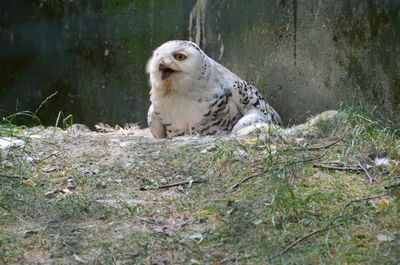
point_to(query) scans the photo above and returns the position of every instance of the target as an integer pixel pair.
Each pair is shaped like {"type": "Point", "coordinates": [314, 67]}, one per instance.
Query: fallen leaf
{"type": "Point", "coordinates": [384, 202]}
{"type": "Point", "coordinates": [250, 141]}
{"type": "Point", "coordinates": [29, 182]}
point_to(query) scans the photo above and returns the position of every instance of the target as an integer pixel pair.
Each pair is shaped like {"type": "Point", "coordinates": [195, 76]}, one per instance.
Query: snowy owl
{"type": "Point", "coordinates": [191, 94]}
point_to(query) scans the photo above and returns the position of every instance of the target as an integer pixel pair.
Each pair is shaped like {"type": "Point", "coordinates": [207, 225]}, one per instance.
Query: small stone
{"type": "Point", "coordinates": [101, 185]}
{"type": "Point", "coordinates": [118, 181]}
{"type": "Point", "coordinates": [51, 194]}
{"type": "Point", "coordinates": [69, 179]}
{"type": "Point", "coordinates": [208, 149]}
{"type": "Point", "coordinates": [7, 142]}
{"type": "Point", "coordinates": [383, 237]}
{"type": "Point", "coordinates": [49, 168]}
{"type": "Point", "coordinates": [30, 233]}
{"type": "Point", "coordinates": [7, 163]}
{"type": "Point", "coordinates": [71, 185]}
{"type": "Point", "coordinates": [196, 236]}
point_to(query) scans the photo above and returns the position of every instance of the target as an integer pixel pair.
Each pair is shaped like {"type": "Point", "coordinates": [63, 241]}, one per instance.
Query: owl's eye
{"type": "Point", "coordinates": [180, 56]}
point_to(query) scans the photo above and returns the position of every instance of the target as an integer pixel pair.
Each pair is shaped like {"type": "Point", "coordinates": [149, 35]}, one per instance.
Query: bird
{"type": "Point", "coordinates": [191, 94]}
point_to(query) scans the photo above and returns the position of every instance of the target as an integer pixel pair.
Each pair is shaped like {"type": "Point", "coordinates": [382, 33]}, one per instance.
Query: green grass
{"type": "Point", "coordinates": [289, 213]}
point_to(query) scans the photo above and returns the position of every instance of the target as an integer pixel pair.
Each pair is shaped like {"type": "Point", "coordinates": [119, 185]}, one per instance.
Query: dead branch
{"type": "Point", "coordinates": [304, 238]}
{"type": "Point", "coordinates": [235, 186]}
{"type": "Point", "coordinates": [366, 172]}
{"type": "Point", "coordinates": [321, 147]}
{"type": "Point", "coordinates": [362, 199]}
{"type": "Point", "coordinates": [358, 169]}
{"type": "Point", "coordinates": [305, 160]}
{"type": "Point", "coordinates": [174, 185]}
{"type": "Point", "coordinates": [316, 148]}
{"type": "Point", "coordinates": [12, 177]}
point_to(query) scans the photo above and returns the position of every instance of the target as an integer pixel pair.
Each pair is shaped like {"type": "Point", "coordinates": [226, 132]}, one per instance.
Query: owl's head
{"type": "Point", "coordinates": [175, 61]}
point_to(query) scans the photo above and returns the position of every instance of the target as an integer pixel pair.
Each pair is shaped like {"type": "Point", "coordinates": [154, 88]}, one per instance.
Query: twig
{"type": "Point", "coordinates": [321, 147]}
{"type": "Point", "coordinates": [174, 184]}
{"type": "Point", "coordinates": [313, 148]}
{"type": "Point", "coordinates": [12, 177]}
{"type": "Point", "coordinates": [235, 186]}
{"type": "Point", "coordinates": [326, 228]}
{"type": "Point", "coordinates": [305, 160]}
{"type": "Point", "coordinates": [366, 172]}
{"type": "Point", "coordinates": [362, 199]}
{"type": "Point", "coordinates": [304, 238]}
{"type": "Point", "coordinates": [338, 168]}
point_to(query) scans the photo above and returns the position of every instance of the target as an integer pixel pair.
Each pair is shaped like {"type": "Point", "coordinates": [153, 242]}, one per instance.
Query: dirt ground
{"type": "Point", "coordinates": [123, 197]}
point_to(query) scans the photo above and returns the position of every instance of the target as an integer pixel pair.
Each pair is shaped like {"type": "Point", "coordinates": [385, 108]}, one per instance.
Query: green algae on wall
{"type": "Point", "coordinates": [93, 53]}
{"type": "Point", "coordinates": [309, 56]}
{"type": "Point", "coordinates": [305, 56]}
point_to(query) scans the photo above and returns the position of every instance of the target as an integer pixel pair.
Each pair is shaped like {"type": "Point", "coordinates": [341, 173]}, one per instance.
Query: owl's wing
{"type": "Point", "coordinates": [252, 105]}
{"type": "Point", "coordinates": [155, 125]}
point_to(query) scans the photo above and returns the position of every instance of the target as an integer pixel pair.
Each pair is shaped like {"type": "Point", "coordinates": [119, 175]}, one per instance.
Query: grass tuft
{"type": "Point", "coordinates": [286, 212]}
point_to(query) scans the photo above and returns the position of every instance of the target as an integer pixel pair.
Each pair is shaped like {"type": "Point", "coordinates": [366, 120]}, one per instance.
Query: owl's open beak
{"type": "Point", "coordinates": [165, 71]}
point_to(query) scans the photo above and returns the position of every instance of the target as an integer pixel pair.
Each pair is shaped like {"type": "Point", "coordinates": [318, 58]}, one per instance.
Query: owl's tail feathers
{"type": "Point", "coordinates": [254, 119]}
{"type": "Point", "coordinates": [276, 119]}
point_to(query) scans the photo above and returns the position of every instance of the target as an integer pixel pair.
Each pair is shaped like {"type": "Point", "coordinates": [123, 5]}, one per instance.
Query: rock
{"type": "Point", "coordinates": [78, 129]}
{"type": "Point", "coordinates": [49, 168]}
{"type": "Point", "coordinates": [51, 194]}
{"type": "Point", "coordinates": [7, 142]}
{"type": "Point", "coordinates": [101, 185]}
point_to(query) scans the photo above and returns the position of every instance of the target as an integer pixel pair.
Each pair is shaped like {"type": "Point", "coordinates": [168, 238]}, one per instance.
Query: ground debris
{"type": "Point", "coordinates": [122, 197]}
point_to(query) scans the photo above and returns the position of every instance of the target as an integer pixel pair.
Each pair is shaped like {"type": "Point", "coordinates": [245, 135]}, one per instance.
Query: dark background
{"type": "Point", "coordinates": [306, 56]}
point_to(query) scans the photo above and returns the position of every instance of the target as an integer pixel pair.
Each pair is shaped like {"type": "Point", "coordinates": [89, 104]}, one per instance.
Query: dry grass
{"type": "Point", "coordinates": [288, 213]}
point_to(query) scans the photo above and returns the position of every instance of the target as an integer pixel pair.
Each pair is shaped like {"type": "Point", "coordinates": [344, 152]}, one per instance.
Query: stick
{"type": "Point", "coordinates": [305, 160]}
{"type": "Point", "coordinates": [174, 184]}
{"type": "Point", "coordinates": [12, 177]}
{"type": "Point", "coordinates": [326, 228]}
{"type": "Point", "coordinates": [338, 168]}
{"type": "Point", "coordinates": [366, 172]}
{"type": "Point", "coordinates": [362, 199]}
{"type": "Point", "coordinates": [313, 148]}
{"type": "Point", "coordinates": [235, 186]}
{"type": "Point", "coordinates": [322, 147]}
{"type": "Point", "coordinates": [304, 238]}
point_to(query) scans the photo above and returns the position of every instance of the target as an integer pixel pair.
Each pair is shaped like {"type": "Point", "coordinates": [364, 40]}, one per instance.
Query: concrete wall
{"type": "Point", "coordinates": [93, 52]}
{"type": "Point", "coordinates": [306, 56]}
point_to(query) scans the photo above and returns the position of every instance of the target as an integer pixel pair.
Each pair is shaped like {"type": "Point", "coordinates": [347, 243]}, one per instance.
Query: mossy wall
{"type": "Point", "coordinates": [93, 52]}
{"type": "Point", "coordinates": [309, 56]}
{"type": "Point", "coordinates": [306, 56]}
